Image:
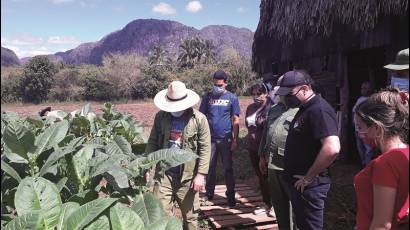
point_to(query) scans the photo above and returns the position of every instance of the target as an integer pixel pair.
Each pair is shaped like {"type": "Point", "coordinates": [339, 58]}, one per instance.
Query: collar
{"type": "Point", "coordinates": [310, 102]}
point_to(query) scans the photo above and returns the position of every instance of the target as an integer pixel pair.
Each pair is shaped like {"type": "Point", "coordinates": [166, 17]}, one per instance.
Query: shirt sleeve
{"type": "Point", "coordinates": [236, 109]}
{"type": "Point", "coordinates": [323, 124]}
{"type": "Point", "coordinates": [203, 108]}
{"type": "Point", "coordinates": [385, 172]}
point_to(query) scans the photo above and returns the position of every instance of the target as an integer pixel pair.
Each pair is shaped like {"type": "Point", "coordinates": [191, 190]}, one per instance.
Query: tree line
{"type": "Point", "coordinates": [124, 76]}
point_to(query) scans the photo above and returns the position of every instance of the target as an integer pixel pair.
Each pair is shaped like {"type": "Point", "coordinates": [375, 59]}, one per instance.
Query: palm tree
{"type": "Point", "coordinates": [158, 56]}
{"type": "Point", "coordinates": [196, 51]}
{"type": "Point", "coordinates": [188, 53]}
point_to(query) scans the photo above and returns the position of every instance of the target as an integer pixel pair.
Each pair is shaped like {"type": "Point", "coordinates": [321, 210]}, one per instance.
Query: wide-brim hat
{"type": "Point", "coordinates": [401, 62]}
{"type": "Point", "coordinates": [176, 98]}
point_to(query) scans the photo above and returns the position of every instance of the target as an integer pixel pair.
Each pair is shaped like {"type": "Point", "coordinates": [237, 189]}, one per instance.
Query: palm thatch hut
{"type": "Point", "coordinates": [340, 42]}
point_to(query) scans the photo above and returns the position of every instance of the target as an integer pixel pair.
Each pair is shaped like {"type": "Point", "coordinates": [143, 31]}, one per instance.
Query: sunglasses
{"type": "Point", "coordinates": [218, 85]}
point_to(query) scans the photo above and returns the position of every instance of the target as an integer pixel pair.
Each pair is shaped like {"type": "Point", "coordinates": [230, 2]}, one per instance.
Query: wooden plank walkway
{"type": "Point", "coordinates": [219, 215]}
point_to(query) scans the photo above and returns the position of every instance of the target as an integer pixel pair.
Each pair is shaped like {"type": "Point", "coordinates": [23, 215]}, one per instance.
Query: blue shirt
{"type": "Point", "coordinates": [219, 109]}
{"type": "Point", "coordinates": [175, 140]}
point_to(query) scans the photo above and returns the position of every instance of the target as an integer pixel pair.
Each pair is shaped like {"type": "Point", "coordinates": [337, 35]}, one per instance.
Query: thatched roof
{"type": "Point", "coordinates": [291, 30]}
{"type": "Point", "coordinates": [289, 20]}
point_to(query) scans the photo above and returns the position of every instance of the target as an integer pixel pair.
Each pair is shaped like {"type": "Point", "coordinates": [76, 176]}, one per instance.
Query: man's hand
{"type": "Point", "coordinates": [302, 182]}
{"type": "Point", "coordinates": [234, 145]}
{"type": "Point", "coordinates": [198, 184]}
{"type": "Point", "coordinates": [263, 165]}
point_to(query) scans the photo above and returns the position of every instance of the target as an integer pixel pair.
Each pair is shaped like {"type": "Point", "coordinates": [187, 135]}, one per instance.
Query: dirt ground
{"type": "Point", "coordinates": [340, 205]}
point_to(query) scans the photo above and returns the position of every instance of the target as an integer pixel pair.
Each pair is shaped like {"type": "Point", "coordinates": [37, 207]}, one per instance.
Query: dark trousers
{"type": "Point", "coordinates": [263, 179]}
{"type": "Point", "coordinates": [308, 206]}
{"type": "Point", "coordinates": [280, 200]}
{"type": "Point", "coordinates": [221, 148]}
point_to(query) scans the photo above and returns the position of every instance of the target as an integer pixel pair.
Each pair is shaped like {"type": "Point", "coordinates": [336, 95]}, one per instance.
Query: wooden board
{"type": "Point", "coordinates": [220, 215]}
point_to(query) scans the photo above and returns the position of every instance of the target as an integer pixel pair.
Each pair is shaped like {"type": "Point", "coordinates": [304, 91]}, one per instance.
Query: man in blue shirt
{"type": "Point", "coordinates": [222, 110]}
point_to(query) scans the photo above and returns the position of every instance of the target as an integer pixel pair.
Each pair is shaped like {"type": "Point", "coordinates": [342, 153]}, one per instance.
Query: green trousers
{"type": "Point", "coordinates": [280, 200]}
{"type": "Point", "coordinates": [170, 189]}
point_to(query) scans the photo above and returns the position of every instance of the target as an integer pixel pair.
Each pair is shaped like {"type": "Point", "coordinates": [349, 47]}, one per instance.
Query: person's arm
{"type": "Point", "coordinates": [236, 111]}
{"type": "Point", "coordinates": [328, 153]}
{"type": "Point", "coordinates": [204, 151]}
{"type": "Point", "coordinates": [152, 146]}
{"type": "Point", "coordinates": [235, 131]}
{"type": "Point", "coordinates": [203, 107]}
{"type": "Point", "coordinates": [383, 207]}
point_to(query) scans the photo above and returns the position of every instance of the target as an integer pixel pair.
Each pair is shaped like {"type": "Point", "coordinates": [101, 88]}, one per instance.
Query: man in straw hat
{"type": "Point", "coordinates": [178, 125]}
{"type": "Point", "coordinates": [399, 70]}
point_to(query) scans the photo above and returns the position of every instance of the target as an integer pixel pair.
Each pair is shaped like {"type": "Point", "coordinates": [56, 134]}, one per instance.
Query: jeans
{"type": "Point", "coordinates": [221, 148]}
{"type": "Point", "coordinates": [308, 206]}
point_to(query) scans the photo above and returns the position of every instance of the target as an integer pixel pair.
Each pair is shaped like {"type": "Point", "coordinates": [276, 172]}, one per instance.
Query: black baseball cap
{"type": "Point", "coordinates": [220, 75]}
{"type": "Point", "coordinates": [292, 79]}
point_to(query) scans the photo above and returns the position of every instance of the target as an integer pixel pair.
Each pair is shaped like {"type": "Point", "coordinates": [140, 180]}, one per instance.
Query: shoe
{"type": "Point", "coordinates": [271, 213]}
{"type": "Point", "coordinates": [231, 202]}
{"type": "Point", "coordinates": [259, 211]}
{"type": "Point", "coordinates": [209, 196]}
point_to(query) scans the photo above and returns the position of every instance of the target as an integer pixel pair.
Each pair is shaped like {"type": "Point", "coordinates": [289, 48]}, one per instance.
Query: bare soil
{"type": "Point", "coordinates": [340, 205]}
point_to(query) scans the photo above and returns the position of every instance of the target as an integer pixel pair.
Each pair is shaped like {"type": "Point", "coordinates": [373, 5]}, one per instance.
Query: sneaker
{"type": "Point", "coordinates": [271, 212]}
{"type": "Point", "coordinates": [259, 211]}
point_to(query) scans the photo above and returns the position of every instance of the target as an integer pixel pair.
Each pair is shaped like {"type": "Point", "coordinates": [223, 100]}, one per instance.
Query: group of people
{"type": "Point", "coordinates": [293, 139]}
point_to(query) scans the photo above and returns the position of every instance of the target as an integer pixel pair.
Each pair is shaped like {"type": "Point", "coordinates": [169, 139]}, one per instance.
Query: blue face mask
{"type": "Point", "coordinates": [401, 83]}
{"type": "Point", "coordinates": [216, 90]}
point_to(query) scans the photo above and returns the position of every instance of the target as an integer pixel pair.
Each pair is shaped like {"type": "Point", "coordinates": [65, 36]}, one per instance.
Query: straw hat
{"type": "Point", "coordinates": [401, 62]}
{"type": "Point", "coordinates": [176, 98]}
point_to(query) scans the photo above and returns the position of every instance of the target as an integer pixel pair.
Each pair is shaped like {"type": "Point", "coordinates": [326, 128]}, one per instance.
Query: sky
{"type": "Point", "coordinates": [36, 27]}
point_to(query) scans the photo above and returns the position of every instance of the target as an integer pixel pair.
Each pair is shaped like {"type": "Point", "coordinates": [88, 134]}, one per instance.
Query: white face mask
{"type": "Point", "coordinates": [401, 83]}
{"type": "Point", "coordinates": [177, 114]}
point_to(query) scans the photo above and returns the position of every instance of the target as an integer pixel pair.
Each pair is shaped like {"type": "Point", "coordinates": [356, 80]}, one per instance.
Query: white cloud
{"type": "Point", "coordinates": [63, 40]}
{"type": "Point", "coordinates": [164, 8]}
{"type": "Point", "coordinates": [27, 45]}
{"type": "Point", "coordinates": [193, 6]}
{"type": "Point", "coordinates": [60, 1]}
{"type": "Point", "coordinates": [240, 9]}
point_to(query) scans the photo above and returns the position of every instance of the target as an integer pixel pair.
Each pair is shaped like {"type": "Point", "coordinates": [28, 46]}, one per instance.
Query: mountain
{"type": "Point", "coordinates": [8, 57]}
{"type": "Point", "coordinates": [141, 35]}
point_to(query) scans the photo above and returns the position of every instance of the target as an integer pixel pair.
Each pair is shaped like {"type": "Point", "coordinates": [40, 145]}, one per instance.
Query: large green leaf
{"type": "Point", "coordinates": [67, 210]}
{"type": "Point", "coordinates": [13, 157]}
{"type": "Point", "coordinates": [101, 223]}
{"type": "Point", "coordinates": [51, 136]}
{"type": "Point", "coordinates": [39, 194]}
{"type": "Point", "coordinates": [104, 163]}
{"type": "Point", "coordinates": [54, 157]}
{"type": "Point", "coordinates": [167, 223]}
{"type": "Point", "coordinates": [80, 163]}
{"type": "Point", "coordinates": [87, 213]}
{"type": "Point", "coordinates": [9, 170]}
{"type": "Point", "coordinates": [29, 221]}
{"type": "Point", "coordinates": [124, 218]}
{"type": "Point", "coordinates": [171, 157]}
{"type": "Point", "coordinates": [18, 139]}
{"type": "Point", "coordinates": [148, 208]}
{"type": "Point", "coordinates": [119, 145]}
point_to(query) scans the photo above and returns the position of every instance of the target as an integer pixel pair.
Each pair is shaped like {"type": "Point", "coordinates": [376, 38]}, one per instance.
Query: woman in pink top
{"type": "Point", "coordinates": [382, 187]}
